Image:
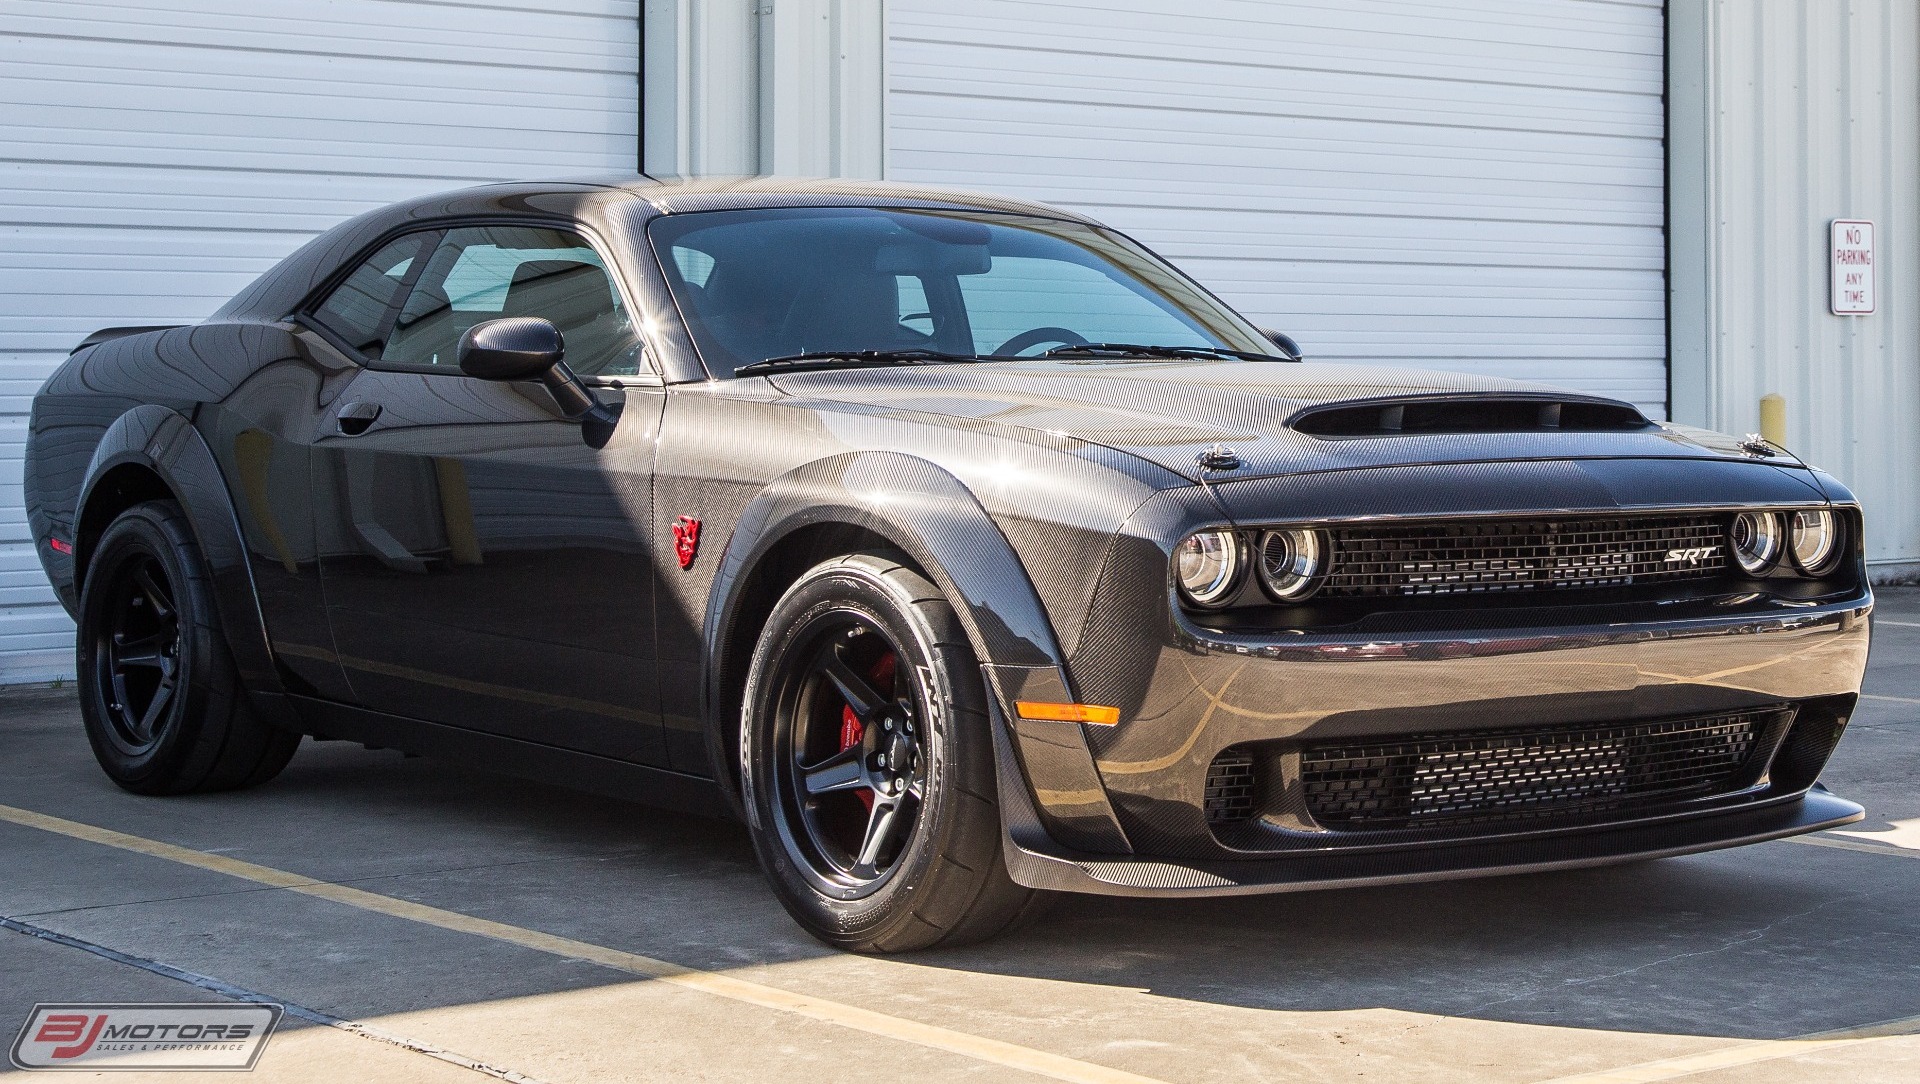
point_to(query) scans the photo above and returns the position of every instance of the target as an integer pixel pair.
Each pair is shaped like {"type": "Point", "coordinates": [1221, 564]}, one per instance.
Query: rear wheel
{"type": "Point", "coordinates": [868, 767]}
{"type": "Point", "coordinates": [159, 695]}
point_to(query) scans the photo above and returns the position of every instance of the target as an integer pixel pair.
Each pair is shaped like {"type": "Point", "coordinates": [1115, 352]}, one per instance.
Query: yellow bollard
{"type": "Point", "coordinates": [1773, 419]}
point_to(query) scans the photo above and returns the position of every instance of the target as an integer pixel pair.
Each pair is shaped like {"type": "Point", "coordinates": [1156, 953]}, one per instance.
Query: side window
{"type": "Point", "coordinates": [357, 309]}
{"type": "Point", "coordinates": [488, 272]}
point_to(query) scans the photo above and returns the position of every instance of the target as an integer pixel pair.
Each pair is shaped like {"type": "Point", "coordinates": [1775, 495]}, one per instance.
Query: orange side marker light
{"type": "Point", "coordinates": [1068, 713]}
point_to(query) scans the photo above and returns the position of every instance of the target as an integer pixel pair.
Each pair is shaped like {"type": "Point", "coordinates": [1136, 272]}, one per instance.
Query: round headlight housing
{"type": "Point", "coordinates": [1814, 541]}
{"type": "Point", "coordinates": [1207, 566]}
{"type": "Point", "coordinates": [1754, 539]}
{"type": "Point", "coordinates": [1290, 562]}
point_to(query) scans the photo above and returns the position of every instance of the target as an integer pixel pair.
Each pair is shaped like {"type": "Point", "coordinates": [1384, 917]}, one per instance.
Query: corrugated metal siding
{"type": "Point", "coordinates": [1804, 111]}
{"type": "Point", "coordinates": [1471, 185]}
{"type": "Point", "coordinates": [160, 154]}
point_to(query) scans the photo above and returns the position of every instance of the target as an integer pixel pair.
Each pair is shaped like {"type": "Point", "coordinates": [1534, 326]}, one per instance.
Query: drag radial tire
{"type": "Point", "coordinates": [867, 764]}
{"type": "Point", "coordinates": [159, 694]}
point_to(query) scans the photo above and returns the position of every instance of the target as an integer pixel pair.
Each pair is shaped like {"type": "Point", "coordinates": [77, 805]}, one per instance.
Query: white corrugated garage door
{"type": "Point", "coordinates": [156, 155]}
{"type": "Point", "coordinates": [1476, 184]}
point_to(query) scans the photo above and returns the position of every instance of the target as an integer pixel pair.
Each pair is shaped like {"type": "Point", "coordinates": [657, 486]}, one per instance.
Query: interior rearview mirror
{"type": "Point", "coordinates": [924, 258]}
{"type": "Point", "coordinates": [530, 348]}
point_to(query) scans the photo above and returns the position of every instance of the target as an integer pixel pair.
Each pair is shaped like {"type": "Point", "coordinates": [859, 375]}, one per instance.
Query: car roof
{"type": "Point", "coordinates": [295, 278]}
{"type": "Point", "coordinates": [680, 195]}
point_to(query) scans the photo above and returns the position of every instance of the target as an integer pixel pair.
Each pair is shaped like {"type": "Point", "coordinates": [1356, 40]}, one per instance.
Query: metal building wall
{"type": "Point", "coordinates": [1785, 115]}
{"type": "Point", "coordinates": [1474, 185]}
{"type": "Point", "coordinates": [791, 87]}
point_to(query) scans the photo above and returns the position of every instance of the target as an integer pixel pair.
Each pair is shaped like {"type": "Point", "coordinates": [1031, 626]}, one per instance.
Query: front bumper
{"type": "Point", "coordinates": [1212, 691]}
{"type": "Point", "coordinates": [1035, 860]}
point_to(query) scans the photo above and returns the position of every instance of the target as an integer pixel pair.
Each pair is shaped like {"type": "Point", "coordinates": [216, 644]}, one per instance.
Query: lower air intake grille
{"type": "Point", "coordinates": [1488, 555]}
{"type": "Point", "coordinates": [1229, 797]}
{"type": "Point", "coordinates": [1506, 775]}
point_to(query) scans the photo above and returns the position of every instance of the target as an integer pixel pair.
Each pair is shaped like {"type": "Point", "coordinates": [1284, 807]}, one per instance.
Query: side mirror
{"type": "Point", "coordinates": [515, 348]}
{"type": "Point", "coordinates": [530, 348]}
{"type": "Point", "coordinates": [1285, 342]}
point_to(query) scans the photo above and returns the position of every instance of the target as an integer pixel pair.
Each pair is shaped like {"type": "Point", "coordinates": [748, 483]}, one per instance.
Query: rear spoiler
{"type": "Point", "coordinates": [107, 333]}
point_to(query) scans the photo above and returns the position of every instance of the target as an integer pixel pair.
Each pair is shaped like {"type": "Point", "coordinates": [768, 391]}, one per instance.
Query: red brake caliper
{"type": "Point", "coordinates": [851, 729]}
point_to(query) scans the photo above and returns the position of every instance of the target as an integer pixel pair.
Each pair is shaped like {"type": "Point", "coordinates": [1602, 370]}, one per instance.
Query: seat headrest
{"type": "Point", "coordinates": [854, 310]}
{"type": "Point", "coordinates": [541, 284]}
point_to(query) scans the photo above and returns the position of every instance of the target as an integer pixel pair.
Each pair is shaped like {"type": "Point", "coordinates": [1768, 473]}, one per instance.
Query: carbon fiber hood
{"type": "Point", "coordinates": [1169, 412]}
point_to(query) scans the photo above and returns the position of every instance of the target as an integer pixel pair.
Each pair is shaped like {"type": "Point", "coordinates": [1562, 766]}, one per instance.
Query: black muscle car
{"type": "Point", "coordinates": [963, 547]}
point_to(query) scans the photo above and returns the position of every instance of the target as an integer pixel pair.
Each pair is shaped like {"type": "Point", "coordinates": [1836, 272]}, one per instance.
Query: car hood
{"type": "Point", "coordinates": [1170, 412]}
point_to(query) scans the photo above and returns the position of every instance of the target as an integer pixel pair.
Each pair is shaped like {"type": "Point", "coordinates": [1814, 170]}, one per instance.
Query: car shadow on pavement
{"type": "Point", "coordinates": [1754, 946]}
{"type": "Point", "coordinates": [1763, 942]}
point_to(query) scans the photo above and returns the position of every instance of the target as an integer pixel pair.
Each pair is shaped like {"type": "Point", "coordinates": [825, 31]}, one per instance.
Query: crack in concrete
{"type": "Point", "coordinates": [237, 993]}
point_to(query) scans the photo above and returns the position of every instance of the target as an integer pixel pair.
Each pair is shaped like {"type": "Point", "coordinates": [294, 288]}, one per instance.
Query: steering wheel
{"type": "Point", "coordinates": [1027, 340]}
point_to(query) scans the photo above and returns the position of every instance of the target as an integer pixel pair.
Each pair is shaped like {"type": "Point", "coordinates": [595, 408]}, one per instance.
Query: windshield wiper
{"type": "Point", "coordinates": [851, 359]}
{"type": "Point", "coordinates": [1138, 350]}
{"type": "Point", "coordinates": [831, 359]}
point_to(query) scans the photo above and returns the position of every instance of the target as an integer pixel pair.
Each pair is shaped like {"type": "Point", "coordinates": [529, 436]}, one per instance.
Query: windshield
{"type": "Point", "coordinates": [773, 283]}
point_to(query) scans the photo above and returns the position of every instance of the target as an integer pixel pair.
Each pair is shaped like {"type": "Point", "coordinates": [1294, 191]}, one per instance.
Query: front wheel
{"type": "Point", "coordinates": [867, 765]}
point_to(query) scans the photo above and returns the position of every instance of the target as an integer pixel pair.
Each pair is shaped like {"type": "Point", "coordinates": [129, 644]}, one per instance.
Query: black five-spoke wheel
{"type": "Point", "coordinates": [136, 652]}
{"type": "Point", "coordinates": [867, 764]}
{"type": "Point", "coordinates": [159, 693]}
{"type": "Point", "coordinates": [856, 777]}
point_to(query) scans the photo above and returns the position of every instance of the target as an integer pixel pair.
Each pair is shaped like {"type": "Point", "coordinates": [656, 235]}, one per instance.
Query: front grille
{"type": "Point", "coordinates": [1495, 555]}
{"type": "Point", "coordinates": [1229, 796]}
{"type": "Point", "coordinates": [1521, 774]}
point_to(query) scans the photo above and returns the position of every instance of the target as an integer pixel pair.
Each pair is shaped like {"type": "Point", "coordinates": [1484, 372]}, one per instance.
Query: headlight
{"type": "Point", "coordinates": [1755, 540]}
{"type": "Point", "coordinates": [1208, 566]}
{"type": "Point", "coordinates": [1290, 563]}
{"type": "Point", "coordinates": [1813, 540]}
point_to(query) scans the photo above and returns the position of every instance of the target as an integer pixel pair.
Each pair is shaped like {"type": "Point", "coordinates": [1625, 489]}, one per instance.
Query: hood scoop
{"type": "Point", "coordinates": [1422, 415]}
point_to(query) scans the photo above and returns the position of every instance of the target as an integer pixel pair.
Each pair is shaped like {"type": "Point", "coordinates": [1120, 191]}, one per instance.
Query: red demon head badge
{"type": "Point", "coordinates": [686, 539]}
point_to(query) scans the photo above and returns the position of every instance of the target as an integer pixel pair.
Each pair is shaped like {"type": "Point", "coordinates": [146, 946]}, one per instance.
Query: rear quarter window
{"type": "Point", "coordinates": [357, 310]}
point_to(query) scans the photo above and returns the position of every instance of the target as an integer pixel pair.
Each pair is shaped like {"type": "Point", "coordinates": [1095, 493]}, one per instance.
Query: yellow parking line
{"type": "Point", "coordinates": [991, 1051]}
{"type": "Point", "coordinates": [1752, 1053]}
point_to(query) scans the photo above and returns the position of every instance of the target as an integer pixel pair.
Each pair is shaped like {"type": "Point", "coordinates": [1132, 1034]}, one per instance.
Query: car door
{"type": "Point", "coordinates": [483, 566]}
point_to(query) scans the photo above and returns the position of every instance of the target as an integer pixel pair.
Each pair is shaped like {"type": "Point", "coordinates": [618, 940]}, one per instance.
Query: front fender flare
{"type": "Point", "coordinates": [933, 518]}
{"type": "Point", "coordinates": [163, 441]}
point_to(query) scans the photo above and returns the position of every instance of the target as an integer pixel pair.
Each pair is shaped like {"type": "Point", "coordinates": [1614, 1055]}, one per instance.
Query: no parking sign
{"type": "Point", "coordinates": [1851, 246]}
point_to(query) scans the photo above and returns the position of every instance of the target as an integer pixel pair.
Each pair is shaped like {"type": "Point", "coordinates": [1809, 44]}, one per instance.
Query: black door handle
{"type": "Point", "coordinates": [355, 418]}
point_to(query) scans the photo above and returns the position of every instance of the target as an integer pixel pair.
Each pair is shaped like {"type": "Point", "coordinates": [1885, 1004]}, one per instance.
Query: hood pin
{"type": "Point", "coordinates": [1219, 457]}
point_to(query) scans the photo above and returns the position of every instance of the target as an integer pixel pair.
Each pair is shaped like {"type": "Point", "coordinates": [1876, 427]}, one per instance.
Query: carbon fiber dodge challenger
{"type": "Point", "coordinates": [966, 549]}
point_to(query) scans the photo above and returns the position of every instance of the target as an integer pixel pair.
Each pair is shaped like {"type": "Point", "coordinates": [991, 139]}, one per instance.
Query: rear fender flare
{"type": "Point", "coordinates": [164, 442]}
